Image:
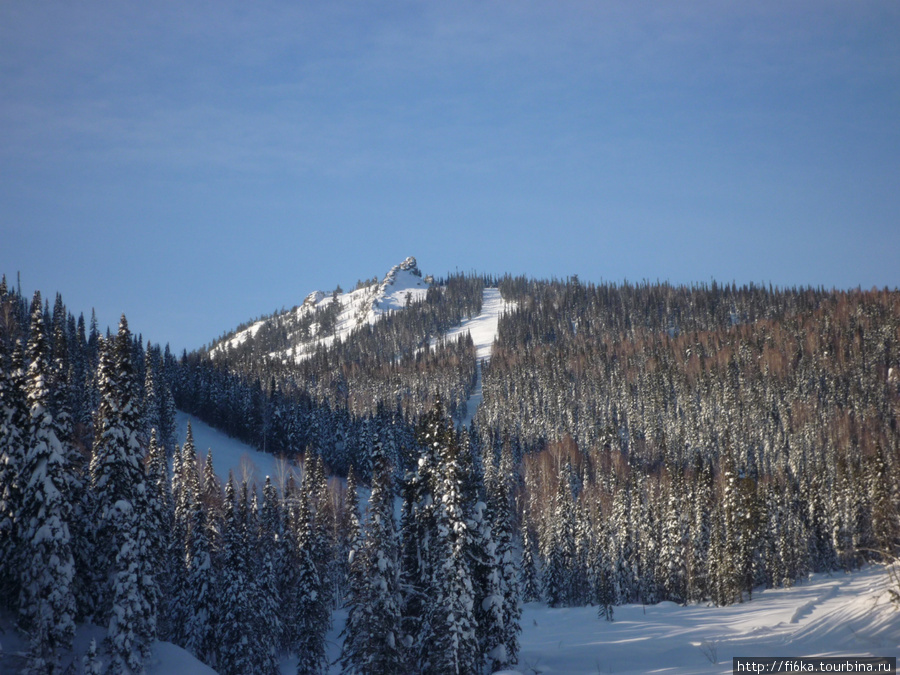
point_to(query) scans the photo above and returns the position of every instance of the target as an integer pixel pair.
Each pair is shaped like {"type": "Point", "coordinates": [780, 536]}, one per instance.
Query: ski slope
{"type": "Point", "coordinates": [483, 329]}
{"type": "Point", "coordinates": [827, 615]}
{"type": "Point", "coordinates": [230, 454]}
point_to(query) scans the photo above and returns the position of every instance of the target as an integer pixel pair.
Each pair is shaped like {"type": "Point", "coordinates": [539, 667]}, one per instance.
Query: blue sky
{"type": "Point", "coordinates": [195, 164]}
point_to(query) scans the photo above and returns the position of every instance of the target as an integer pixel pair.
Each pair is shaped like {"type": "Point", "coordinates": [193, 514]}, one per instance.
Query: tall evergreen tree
{"type": "Point", "coordinates": [132, 623]}
{"type": "Point", "coordinates": [194, 600]}
{"type": "Point", "coordinates": [125, 523]}
{"type": "Point", "coordinates": [561, 557]}
{"type": "Point", "coordinates": [13, 423]}
{"type": "Point", "coordinates": [449, 642]}
{"type": "Point", "coordinates": [47, 602]}
{"type": "Point", "coordinates": [312, 619]}
{"type": "Point", "coordinates": [419, 527]}
{"type": "Point", "coordinates": [235, 630]}
{"type": "Point", "coordinates": [500, 505]}
{"type": "Point", "coordinates": [269, 628]}
{"type": "Point", "coordinates": [372, 643]}
{"type": "Point", "coordinates": [160, 516]}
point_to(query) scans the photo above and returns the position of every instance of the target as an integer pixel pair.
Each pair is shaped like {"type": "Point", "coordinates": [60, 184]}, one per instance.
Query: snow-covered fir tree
{"type": "Point", "coordinates": [194, 602]}
{"type": "Point", "coordinates": [558, 575]}
{"type": "Point", "coordinates": [264, 542]}
{"type": "Point", "coordinates": [13, 421]}
{"type": "Point", "coordinates": [312, 613]}
{"type": "Point", "coordinates": [449, 642]}
{"type": "Point", "coordinates": [235, 628]}
{"type": "Point", "coordinates": [372, 641]}
{"type": "Point", "coordinates": [47, 601]}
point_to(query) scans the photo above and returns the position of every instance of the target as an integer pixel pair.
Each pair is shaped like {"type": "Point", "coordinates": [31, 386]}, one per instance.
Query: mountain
{"type": "Point", "coordinates": [324, 317]}
{"type": "Point", "coordinates": [629, 445]}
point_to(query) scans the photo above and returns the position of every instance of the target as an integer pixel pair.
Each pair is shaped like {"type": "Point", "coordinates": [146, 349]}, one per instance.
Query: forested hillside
{"type": "Point", "coordinates": [636, 443]}
{"type": "Point", "coordinates": [96, 528]}
{"type": "Point", "coordinates": [691, 443]}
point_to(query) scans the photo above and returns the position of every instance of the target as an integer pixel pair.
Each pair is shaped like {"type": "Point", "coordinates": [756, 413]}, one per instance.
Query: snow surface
{"type": "Point", "coordinates": [827, 615]}
{"type": "Point", "coordinates": [856, 619]}
{"type": "Point", "coordinates": [840, 615]}
{"type": "Point", "coordinates": [165, 658]}
{"type": "Point", "coordinates": [230, 454]}
{"type": "Point", "coordinates": [483, 329]}
{"type": "Point", "coordinates": [363, 306]}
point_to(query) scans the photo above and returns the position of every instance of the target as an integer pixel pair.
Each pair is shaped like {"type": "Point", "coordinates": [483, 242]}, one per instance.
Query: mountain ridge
{"type": "Point", "coordinates": [324, 317]}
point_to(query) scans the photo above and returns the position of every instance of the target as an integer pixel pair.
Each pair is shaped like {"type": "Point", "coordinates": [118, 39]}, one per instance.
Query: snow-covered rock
{"type": "Point", "coordinates": [403, 284]}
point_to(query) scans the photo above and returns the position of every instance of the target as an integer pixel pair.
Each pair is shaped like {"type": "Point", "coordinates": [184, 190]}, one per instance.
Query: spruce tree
{"type": "Point", "coordinates": [267, 604]}
{"type": "Point", "coordinates": [530, 583]}
{"type": "Point", "coordinates": [312, 618]}
{"type": "Point", "coordinates": [673, 564]}
{"type": "Point", "coordinates": [132, 620]}
{"type": "Point", "coordinates": [500, 503]}
{"type": "Point", "coordinates": [449, 642]}
{"type": "Point", "coordinates": [561, 556]}
{"type": "Point", "coordinates": [13, 423]}
{"type": "Point", "coordinates": [194, 600]}
{"type": "Point", "coordinates": [235, 630]}
{"type": "Point", "coordinates": [126, 526]}
{"type": "Point", "coordinates": [160, 517]}
{"type": "Point", "coordinates": [373, 643]}
{"type": "Point", "coordinates": [419, 527]}
{"type": "Point", "coordinates": [90, 663]}
{"type": "Point", "coordinates": [289, 568]}
{"type": "Point", "coordinates": [47, 602]}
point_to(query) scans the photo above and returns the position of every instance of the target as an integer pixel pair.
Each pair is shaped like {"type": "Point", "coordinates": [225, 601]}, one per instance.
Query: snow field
{"type": "Point", "coordinates": [230, 454]}
{"type": "Point", "coordinates": [840, 615]}
{"type": "Point", "coordinates": [483, 327]}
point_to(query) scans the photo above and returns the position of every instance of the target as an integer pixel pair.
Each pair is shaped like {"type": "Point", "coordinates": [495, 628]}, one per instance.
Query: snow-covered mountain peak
{"type": "Point", "coordinates": [313, 298]}
{"type": "Point", "coordinates": [324, 317]}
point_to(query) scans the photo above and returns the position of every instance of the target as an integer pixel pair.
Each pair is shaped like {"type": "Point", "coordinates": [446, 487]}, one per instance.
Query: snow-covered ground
{"type": "Point", "coordinates": [839, 615]}
{"type": "Point", "coordinates": [826, 615]}
{"type": "Point", "coordinates": [165, 659]}
{"type": "Point", "coordinates": [230, 454]}
{"type": "Point", "coordinates": [483, 329]}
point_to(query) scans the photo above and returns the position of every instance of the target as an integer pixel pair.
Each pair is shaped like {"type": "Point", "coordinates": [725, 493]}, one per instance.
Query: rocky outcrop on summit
{"type": "Point", "coordinates": [325, 317]}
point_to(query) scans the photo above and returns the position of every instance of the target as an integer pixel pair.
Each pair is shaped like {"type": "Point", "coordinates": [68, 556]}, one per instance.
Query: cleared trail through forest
{"type": "Point", "coordinates": [483, 329]}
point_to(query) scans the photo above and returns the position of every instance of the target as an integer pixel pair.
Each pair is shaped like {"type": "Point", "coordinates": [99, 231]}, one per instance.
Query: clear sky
{"type": "Point", "coordinates": [195, 164]}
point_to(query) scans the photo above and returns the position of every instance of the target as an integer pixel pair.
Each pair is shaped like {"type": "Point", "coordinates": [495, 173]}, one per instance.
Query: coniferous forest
{"type": "Point", "coordinates": [635, 443]}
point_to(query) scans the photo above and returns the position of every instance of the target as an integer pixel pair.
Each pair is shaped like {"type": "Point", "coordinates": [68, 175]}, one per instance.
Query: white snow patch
{"type": "Point", "coordinates": [165, 657]}
{"type": "Point", "coordinates": [483, 329]}
{"type": "Point", "coordinates": [230, 454]}
{"type": "Point", "coordinates": [242, 336]}
{"type": "Point", "coordinates": [843, 615]}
